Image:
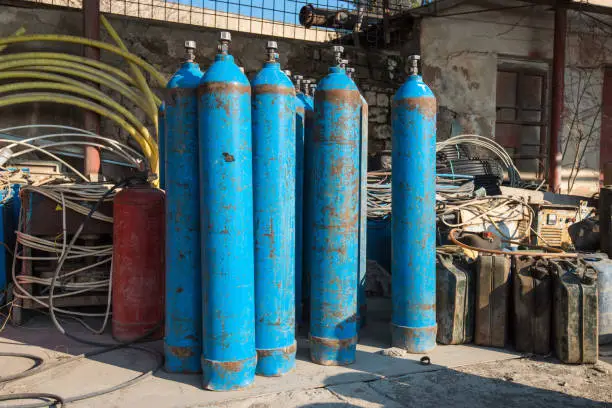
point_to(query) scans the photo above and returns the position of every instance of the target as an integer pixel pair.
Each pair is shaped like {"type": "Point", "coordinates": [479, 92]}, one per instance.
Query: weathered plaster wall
{"type": "Point", "coordinates": [161, 44]}
{"type": "Point", "coordinates": [461, 54]}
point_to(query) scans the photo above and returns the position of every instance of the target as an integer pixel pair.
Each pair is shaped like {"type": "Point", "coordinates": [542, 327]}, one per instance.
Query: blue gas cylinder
{"type": "Point", "coordinates": [332, 244]}
{"type": "Point", "coordinates": [362, 305]}
{"type": "Point", "coordinates": [226, 208]}
{"type": "Point", "coordinates": [300, 124]}
{"type": "Point", "coordinates": [183, 334]}
{"type": "Point", "coordinates": [305, 116]}
{"type": "Point", "coordinates": [413, 322]}
{"type": "Point", "coordinates": [274, 183]}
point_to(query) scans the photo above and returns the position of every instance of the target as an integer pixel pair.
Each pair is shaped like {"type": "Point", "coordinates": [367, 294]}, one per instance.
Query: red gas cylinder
{"type": "Point", "coordinates": [138, 262]}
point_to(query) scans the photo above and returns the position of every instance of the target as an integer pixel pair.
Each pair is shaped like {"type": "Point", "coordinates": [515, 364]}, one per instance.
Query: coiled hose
{"type": "Point", "coordinates": [65, 78]}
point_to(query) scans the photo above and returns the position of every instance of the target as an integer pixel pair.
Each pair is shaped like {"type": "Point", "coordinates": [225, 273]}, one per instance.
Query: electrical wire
{"type": "Point", "coordinates": [556, 253]}
{"type": "Point", "coordinates": [107, 347]}
{"type": "Point", "coordinates": [66, 196]}
{"type": "Point", "coordinates": [514, 175]}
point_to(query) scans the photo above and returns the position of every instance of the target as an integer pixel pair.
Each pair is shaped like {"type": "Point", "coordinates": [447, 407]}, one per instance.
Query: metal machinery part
{"type": "Point", "coordinates": [226, 216]}
{"type": "Point", "coordinates": [183, 334]}
{"type": "Point", "coordinates": [312, 16]}
{"type": "Point", "coordinates": [274, 177]}
{"type": "Point", "coordinates": [138, 263]}
{"type": "Point", "coordinates": [414, 218]}
{"type": "Point", "coordinates": [551, 223]}
{"type": "Point", "coordinates": [333, 199]}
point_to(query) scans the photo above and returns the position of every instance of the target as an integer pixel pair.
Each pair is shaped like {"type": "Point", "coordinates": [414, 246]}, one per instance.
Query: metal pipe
{"type": "Point", "coordinates": [558, 85]}
{"type": "Point", "coordinates": [91, 120]}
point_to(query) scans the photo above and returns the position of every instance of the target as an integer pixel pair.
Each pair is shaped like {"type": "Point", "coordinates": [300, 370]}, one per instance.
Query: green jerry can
{"type": "Point", "coordinates": [492, 299]}
{"type": "Point", "coordinates": [455, 292]}
{"type": "Point", "coordinates": [575, 313]}
{"type": "Point", "coordinates": [532, 295]}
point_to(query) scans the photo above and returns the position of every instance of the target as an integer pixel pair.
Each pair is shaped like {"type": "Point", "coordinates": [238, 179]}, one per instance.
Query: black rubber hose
{"type": "Point", "coordinates": [108, 346]}
{"type": "Point", "coordinates": [159, 363]}
{"type": "Point", "coordinates": [39, 365]}
{"type": "Point", "coordinates": [56, 400]}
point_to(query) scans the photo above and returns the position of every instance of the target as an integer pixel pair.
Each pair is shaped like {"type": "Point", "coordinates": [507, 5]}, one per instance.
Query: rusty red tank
{"type": "Point", "coordinates": [138, 263]}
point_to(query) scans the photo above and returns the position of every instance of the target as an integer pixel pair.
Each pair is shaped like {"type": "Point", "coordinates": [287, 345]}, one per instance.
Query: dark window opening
{"type": "Point", "coordinates": [522, 124]}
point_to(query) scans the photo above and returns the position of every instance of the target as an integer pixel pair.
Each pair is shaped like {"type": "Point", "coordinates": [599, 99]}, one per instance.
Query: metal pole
{"type": "Point", "coordinates": [558, 84]}
{"type": "Point", "coordinates": [91, 120]}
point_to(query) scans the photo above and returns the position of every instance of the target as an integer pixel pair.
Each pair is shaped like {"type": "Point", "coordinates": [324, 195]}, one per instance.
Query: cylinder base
{"type": "Point", "coordinates": [228, 375]}
{"type": "Point", "coordinates": [276, 362]}
{"type": "Point", "coordinates": [125, 332]}
{"type": "Point", "coordinates": [332, 352]}
{"type": "Point", "coordinates": [181, 359]}
{"type": "Point", "coordinates": [415, 340]}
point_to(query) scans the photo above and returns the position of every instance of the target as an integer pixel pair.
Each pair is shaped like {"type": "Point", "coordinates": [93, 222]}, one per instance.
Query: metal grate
{"type": "Point", "coordinates": [332, 20]}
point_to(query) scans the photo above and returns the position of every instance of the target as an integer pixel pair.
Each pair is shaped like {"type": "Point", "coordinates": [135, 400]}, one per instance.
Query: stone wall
{"type": "Point", "coordinates": [161, 44]}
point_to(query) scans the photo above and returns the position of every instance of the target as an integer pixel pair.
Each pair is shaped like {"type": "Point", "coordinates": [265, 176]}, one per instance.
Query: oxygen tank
{"type": "Point", "coordinates": [183, 336]}
{"type": "Point", "coordinates": [274, 183]}
{"type": "Point", "coordinates": [413, 189]}
{"type": "Point", "coordinates": [226, 209]}
{"type": "Point", "coordinates": [334, 218]}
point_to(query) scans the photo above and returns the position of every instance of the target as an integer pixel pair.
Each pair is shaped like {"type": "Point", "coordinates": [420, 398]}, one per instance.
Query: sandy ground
{"type": "Point", "coordinates": [459, 376]}
{"type": "Point", "coordinates": [528, 382]}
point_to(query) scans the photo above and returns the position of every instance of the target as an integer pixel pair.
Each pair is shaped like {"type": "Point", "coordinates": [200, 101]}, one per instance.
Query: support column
{"type": "Point", "coordinates": [558, 85]}
{"type": "Point", "coordinates": [91, 120]}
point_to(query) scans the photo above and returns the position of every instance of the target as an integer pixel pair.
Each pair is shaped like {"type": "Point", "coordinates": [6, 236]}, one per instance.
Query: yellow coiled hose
{"type": "Point", "coordinates": [70, 74]}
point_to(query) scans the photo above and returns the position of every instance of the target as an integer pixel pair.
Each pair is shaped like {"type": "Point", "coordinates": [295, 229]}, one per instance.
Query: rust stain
{"type": "Point", "coordinates": [340, 96]}
{"type": "Point", "coordinates": [273, 89]}
{"type": "Point", "coordinates": [181, 352]}
{"type": "Point", "coordinates": [300, 111]}
{"type": "Point", "coordinates": [228, 157]}
{"type": "Point", "coordinates": [284, 350]}
{"type": "Point", "coordinates": [334, 343]}
{"type": "Point", "coordinates": [425, 106]}
{"type": "Point", "coordinates": [223, 87]}
{"type": "Point", "coordinates": [233, 366]}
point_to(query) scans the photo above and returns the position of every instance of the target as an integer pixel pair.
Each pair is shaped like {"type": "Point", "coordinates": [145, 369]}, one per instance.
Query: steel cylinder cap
{"type": "Point", "coordinates": [190, 44]}
{"type": "Point", "coordinates": [225, 36]}
{"type": "Point", "coordinates": [272, 44]}
{"type": "Point", "coordinates": [414, 64]}
{"type": "Point", "coordinates": [338, 49]}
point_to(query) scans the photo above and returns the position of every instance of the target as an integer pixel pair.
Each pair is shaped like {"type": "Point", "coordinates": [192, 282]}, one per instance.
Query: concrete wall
{"type": "Point", "coordinates": [161, 44]}
{"type": "Point", "coordinates": [461, 54]}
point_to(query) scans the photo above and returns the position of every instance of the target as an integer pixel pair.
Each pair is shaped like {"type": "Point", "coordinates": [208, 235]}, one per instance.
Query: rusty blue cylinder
{"type": "Point", "coordinates": [334, 219]}
{"type": "Point", "coordinates": [300, 122]}
{"type": "Point", "coordinates": [183, 334]}
{"type": "Point", "coordinates": [274, 183]}
{"type": "Point", "coordinates": [413, 323]}
{"type": "Point", "coordinates": [362, 305]}
{"type": "Point", "coordinates": [305, 116]}
{"type": "Point", "coordinates": [226, 208]}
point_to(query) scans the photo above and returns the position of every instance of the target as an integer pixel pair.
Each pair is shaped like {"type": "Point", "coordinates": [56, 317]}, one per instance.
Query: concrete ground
{"type": "Point", "coordinates": [458, 376]}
